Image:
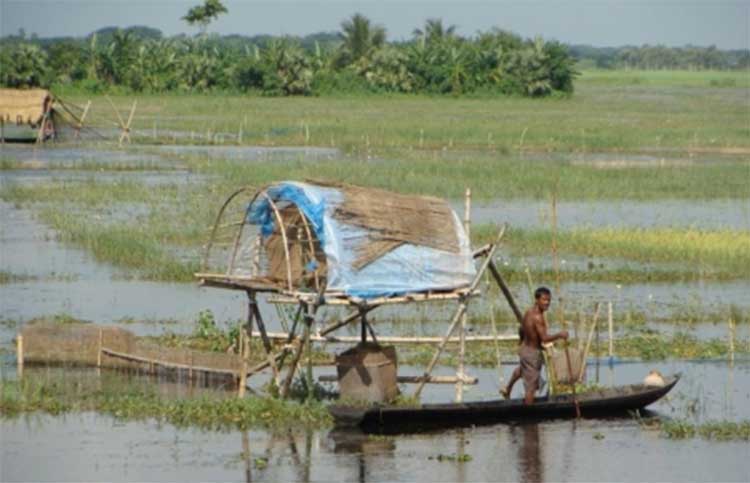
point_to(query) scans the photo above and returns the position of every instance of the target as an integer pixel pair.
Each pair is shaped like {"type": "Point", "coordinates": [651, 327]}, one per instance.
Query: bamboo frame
{"type": "Point", "coordinates": [470, 380]}
{"type": "Point", "coordinates": [334, 339]}
{"type": "Point", "coordinates": [167, 364]}
{"type": "Point", "coordinates": [462, 305]}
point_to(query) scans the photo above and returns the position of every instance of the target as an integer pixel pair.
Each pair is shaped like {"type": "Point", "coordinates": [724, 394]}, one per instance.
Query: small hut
{"type": "Point", "coordinates": [33, 108]}
{"type": "Point", "coordinates": [321, 243]}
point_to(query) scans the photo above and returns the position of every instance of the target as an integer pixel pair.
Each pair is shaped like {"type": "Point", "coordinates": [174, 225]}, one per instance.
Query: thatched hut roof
{"type": "Point", "coordinates": [24, 106]}
{"type": "Point", "coordinates": [374, 242]}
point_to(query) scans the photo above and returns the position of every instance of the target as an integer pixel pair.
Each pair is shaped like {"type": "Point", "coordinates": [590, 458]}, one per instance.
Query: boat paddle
{"type": "Point", "coordinates": [570, 377]}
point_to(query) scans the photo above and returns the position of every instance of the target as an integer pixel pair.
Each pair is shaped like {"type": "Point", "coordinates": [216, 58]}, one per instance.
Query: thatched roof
{"type": "Point", "coordinates": [23, 106]}
{"type": "Point", "coordinates": [393, 219]}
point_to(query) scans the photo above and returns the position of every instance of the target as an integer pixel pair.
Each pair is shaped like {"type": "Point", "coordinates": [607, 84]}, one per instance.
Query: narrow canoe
{"type": "Point", "coordinates": [611, 401]}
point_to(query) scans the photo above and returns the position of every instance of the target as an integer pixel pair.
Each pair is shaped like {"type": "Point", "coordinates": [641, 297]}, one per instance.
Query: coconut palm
{"type": "Point", "coordinates": [434, 31]}
{"type": "Point", "coordinates": [361, 39]}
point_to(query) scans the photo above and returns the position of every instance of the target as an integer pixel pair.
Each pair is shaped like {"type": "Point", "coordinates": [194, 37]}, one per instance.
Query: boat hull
{"type": "Point", "coordinates": [609, 402]}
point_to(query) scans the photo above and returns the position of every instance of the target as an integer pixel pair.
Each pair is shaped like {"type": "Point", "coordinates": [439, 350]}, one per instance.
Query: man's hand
{"type": "Point", "coordinates": [564, 335]}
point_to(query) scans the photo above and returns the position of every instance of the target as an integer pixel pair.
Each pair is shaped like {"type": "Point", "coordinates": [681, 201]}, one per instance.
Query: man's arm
{"type": "Point", "coordinates": [544, 336]}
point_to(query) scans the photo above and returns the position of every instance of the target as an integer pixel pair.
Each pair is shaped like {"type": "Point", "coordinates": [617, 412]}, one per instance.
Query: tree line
{"type": "Point", "coordinates": [358, 58]}
{"type": "Point", "coordinates": [660, 57]}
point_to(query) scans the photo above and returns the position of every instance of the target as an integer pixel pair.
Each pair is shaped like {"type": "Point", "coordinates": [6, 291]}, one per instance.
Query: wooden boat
{"type": "Point", "coordinates": [612, 401]}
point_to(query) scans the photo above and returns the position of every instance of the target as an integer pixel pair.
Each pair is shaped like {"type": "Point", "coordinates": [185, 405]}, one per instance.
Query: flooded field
{"type": "Point", "coordinates": [585, 450]}
{"type": "Point", "coordinates": [47, 278]}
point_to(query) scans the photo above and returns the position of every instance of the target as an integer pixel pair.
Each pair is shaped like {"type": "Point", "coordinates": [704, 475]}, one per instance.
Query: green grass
{"type": "Point", "coordinates": [665, 78]}
{"type": "Point", "coordinates": [119, 397]}
{"type": "Point", "coordinates": [707, 253]}
{"type": "Point", "coordinates": [610, 111]}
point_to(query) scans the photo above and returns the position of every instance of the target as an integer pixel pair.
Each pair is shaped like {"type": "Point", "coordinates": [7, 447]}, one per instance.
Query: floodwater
{"type": "Point", "coordinates": [40, 447]}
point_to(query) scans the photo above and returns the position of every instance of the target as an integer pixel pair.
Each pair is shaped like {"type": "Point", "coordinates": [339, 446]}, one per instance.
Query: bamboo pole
{"type": "Point", "coordinates": [326, 330]}
{"type": "Point", "coordinates": [462, 334]}
{"type": "Point", "coordinates": [242, 384]}
{"type": "Point", "coordinates": [166, 364]}
{"type": "Point", "coordinates": [309, 317]}
{"type": "Point", "coordinates": [99, 352]}
{"type": "Point", "coordinates": [459, 312]}
{"type": "Point", "coordinates": [282, 230]}
{"type": "Point", "coordinates": [610, 323]}
{"type": "Point", "coordinates": [594, 325]}
{"type": "Point", "coordinates": [506, 292]}
{"type": "Point", "coordinates": [254, 313]}
{"type": "Point", "coordinates": [343, 339]}
{"type": "Point", "coordinates": [469, 380]}
{"type": "Point", "coordinates": [19, 354]}
{"type": "Point", "coordinates": [731, 340]}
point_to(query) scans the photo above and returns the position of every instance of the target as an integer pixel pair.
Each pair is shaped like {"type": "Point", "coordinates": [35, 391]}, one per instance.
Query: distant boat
{"type": "Point", "coordinates": [611, 401]}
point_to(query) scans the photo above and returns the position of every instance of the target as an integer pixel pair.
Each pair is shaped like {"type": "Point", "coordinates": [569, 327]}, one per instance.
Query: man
{"type": "Point", "coordinates": [533, 334]}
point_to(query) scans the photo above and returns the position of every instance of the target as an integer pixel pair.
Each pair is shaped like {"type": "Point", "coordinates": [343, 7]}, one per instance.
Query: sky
{"type": "Point", "coordinates": [723, 23]}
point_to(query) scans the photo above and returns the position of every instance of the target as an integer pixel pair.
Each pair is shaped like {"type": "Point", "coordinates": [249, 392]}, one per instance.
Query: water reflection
{"type": "Point", "coordinates": [529, 452]}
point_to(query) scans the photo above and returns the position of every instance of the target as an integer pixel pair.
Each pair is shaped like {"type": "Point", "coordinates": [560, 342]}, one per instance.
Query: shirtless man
{"type": "Point", "coordinates": [533, 334]}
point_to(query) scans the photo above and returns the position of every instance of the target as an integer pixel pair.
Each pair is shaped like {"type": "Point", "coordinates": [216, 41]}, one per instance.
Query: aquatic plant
{"type": "Point", "coordinates": [129, 401]}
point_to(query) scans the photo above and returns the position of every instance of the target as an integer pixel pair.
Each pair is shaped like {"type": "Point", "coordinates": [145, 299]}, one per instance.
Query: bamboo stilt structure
{"type": "Point", "coordinates": [309, 318]}
{"type": "Point", "coordinates": [254, 314]}
{"type": "Point", "coordinates": [462, 334]}
{"type": "Point", "coordinates": [459, 312]}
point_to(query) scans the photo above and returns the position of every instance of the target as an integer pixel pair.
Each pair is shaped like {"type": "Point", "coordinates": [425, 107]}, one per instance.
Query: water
{"type": "Point", "coordinates": [88, 446]}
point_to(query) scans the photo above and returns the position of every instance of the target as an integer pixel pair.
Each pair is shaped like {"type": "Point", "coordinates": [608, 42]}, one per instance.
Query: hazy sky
{"type": "Point", "coordinates": [724, 23]}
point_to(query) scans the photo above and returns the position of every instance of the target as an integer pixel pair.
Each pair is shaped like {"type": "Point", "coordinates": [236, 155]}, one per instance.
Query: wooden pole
{"type": "Point", "coordinates": [79, 125]}
{"type": "Point", "coordinates": [19, 354]}
{"type": "Point", "coordinates": [594, 327]}
{"type": "Point", "coordinates": [462, 334]}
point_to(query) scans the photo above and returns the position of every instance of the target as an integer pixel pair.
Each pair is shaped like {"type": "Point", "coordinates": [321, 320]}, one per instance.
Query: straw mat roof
{"type": "Point", "coordinates": [23, 106]}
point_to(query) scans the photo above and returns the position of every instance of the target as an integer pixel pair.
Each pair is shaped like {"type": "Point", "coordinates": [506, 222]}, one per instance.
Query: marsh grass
{"type": "Point", "coordinates": [711, 430]}
{"type": "Point", "coordinates": [710, 254]}
{"type": "Point", "coordinates": [126, 400]}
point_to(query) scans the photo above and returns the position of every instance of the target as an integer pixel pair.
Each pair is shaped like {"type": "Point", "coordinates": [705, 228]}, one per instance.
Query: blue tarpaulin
{"type": "Point", "coordinates": [407, 268]}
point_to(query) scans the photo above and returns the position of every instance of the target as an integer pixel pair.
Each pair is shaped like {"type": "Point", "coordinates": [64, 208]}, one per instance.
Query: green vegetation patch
{"type": "Point", "coordinates": [706, 252]}
{"type": "Point", "coordinates": [711, 430]}
{"type": "Point", "coordinates": [129, 401]}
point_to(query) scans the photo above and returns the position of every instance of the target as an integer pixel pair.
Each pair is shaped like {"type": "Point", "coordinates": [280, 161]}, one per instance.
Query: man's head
{"type": "Point", "coordinates": [543, 297]}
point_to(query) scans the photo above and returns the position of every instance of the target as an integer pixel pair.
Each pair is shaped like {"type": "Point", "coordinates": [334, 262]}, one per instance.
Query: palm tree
{"type": "Point", "coordinates": [434, 31]}
{"type": "Point", "coordinates": [361, 39]}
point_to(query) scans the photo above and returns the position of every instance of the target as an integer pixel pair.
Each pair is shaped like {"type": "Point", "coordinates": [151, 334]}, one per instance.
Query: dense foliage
{"type": "Point", "coordinates": [358, 59]}
{"type": "Point", "coordinates": [658, 57]}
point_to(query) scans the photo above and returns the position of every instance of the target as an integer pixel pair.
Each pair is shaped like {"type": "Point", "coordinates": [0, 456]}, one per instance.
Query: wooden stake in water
{"type": "Point", "coordinates": [243, 369]}
{"type": "Point", "coordinates": [19, 354]}
{"type": "Point", "coordinates": [610, 322]}
{"type": "Point", "coordinates": [731, 340]}
{"type": "Point", "coordinates": [462, 334]}
{"type": "Point", "coordinates": [99, 352]}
